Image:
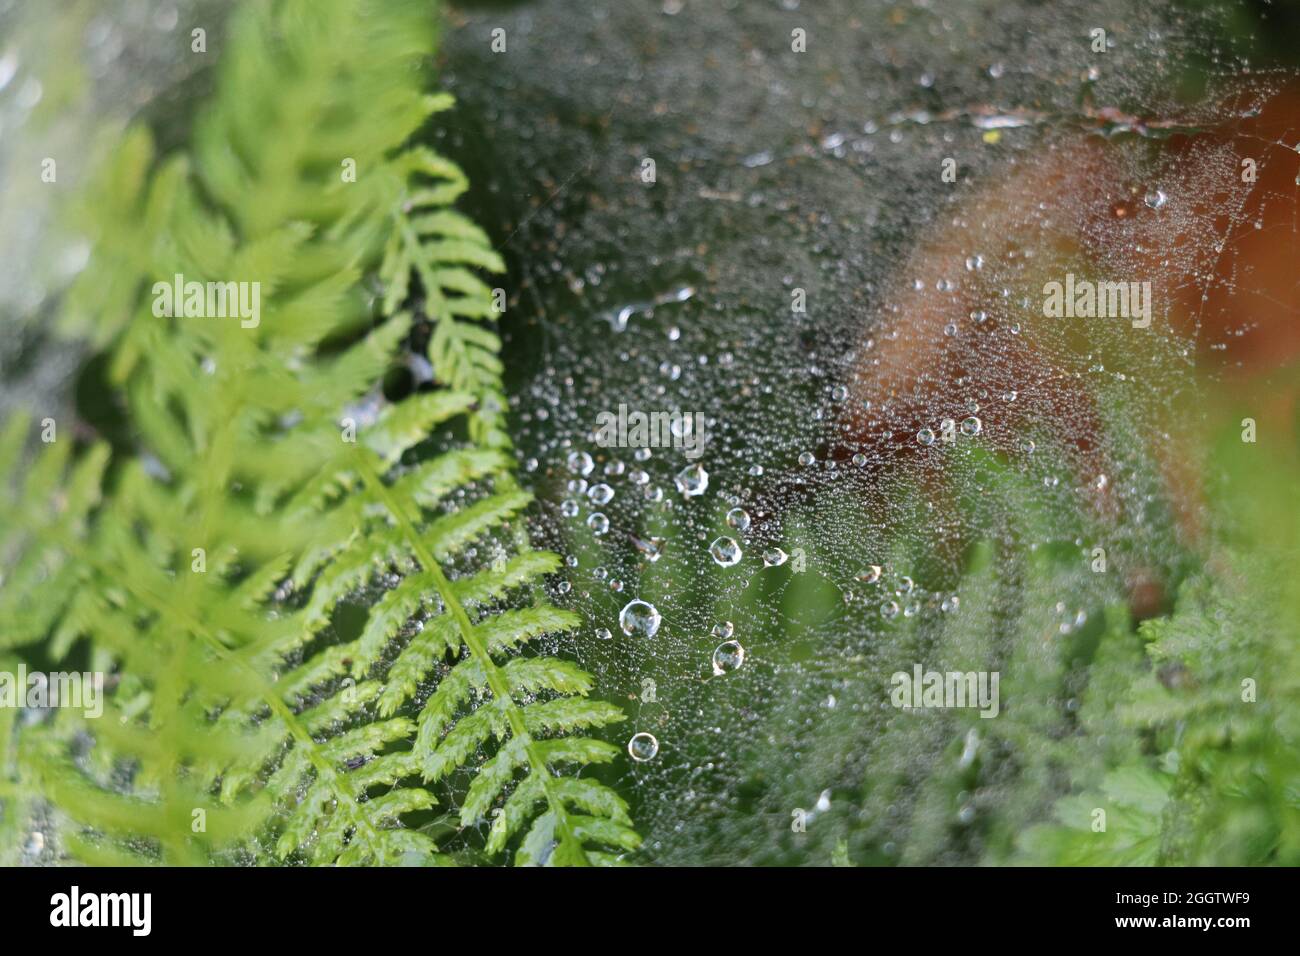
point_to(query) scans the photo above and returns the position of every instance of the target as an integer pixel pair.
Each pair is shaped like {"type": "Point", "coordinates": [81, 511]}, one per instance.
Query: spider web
{"type": "Point", "coordinates": [884, 395]}
{"type": "Point", "coordinates": [817, 178]}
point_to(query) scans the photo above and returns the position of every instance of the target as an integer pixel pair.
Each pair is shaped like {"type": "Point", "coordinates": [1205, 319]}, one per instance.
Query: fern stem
{"type": "Point", "coordinates": [495, 678]}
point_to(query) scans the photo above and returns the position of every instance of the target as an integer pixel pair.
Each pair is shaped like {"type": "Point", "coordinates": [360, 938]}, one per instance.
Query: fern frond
{"type": "Point", "coordinates": [440, 247]}
{"type": "Point", "coordinates": [273, 487]}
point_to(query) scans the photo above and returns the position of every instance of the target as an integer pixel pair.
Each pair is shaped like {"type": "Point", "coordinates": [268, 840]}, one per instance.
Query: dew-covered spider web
{"type": "Point", "coordinates": [839, 257]}
{"type": "Point", "coordinates": [818, 239]}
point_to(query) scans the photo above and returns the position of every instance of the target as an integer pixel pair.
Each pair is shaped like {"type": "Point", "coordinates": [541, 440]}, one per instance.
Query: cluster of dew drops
{"type": "Point", "coordinates": [641, 618]}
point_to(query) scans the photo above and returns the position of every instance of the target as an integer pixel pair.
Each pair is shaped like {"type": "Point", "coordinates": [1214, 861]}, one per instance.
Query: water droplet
{"type": "Point", "coordinates": [724, 629]}
{"type": "Point", "coordinates": [652, 547]}
{"type": "Point", "coordinates": [860, 460]}
{"type": "Point", "coordinates": [925, 436]}
{"type": "Point", "coordinates": [806, 458]}
{"type": "Point", "coordinates": [774, 557]}
{"type": "Point", "coordinates": [603, 633]}
{"type": "Point", "coordinates": [738, 518]}
{"type": "Point", "coordinates": [727, 656]}
{"type": "Point", "coordinates": [692, 480]}
{"type": "Point", "coordinates": [640, 618]}
{"type": "Point", "coordinates": [580, 463]}
{"type": "Point", "coordinates": [871, 575]}
{"type": "Point", "coordinates": [971, 426]}
{"type": "Point", "coordinates": [969, 749]}
{"type": "Point", "coordinates": [889, 610]}
{"type": "Point", "coordinates": [8, 67]}
{"type": "Point", "coordinates": [598, 523]}
{"type": "Point", "coordinates": [725, 551]}
{"type": "Point", "coordinates": [569, 508]}
{"type": "Point", "coordinates": [642, 747]}
{"type": "Point", "coordinates": [600, 494]}
{"type": "Point", "coordinates": [1155, 199]}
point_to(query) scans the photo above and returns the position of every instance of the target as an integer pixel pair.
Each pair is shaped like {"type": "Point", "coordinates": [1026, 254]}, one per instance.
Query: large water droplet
{"type": "Point", "coordinates": [692, 480]}
{"type": "Point", "coordinates": [871, 575]}
{"type": "Point", "coordinates": [639, 618]}
{"type": "Point", "coordinates": [725, 551]}
{"type": "Point", "coordinates": [642, 747]}
{"type": "Point", "coordinates": [651, 547]}
{"type": "Point", "coordinates": [774, 557]}
{"type": "Point", "coordinates": [580, 463]}
{"type": "Point", "coordinates": [738, 518]}
{"type": "Point", "coordinates": [727, 656]}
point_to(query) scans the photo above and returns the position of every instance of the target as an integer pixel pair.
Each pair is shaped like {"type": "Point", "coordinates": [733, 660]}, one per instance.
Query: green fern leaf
{"type": "Point", "coordinates": [272, 485]}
